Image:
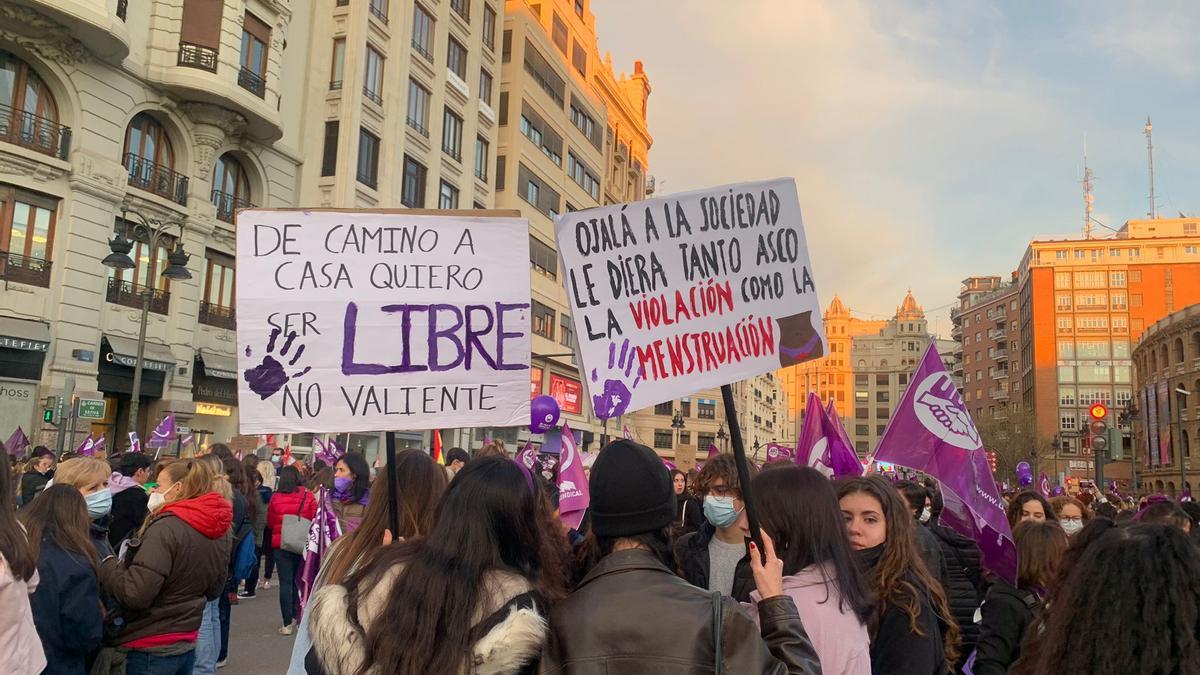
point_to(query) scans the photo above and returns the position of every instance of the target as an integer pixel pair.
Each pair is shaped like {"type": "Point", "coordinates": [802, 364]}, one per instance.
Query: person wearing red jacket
{"type": "Point", "coordinates": [291, 498]}
{"type": "Point", "coordinates": [174, 565]}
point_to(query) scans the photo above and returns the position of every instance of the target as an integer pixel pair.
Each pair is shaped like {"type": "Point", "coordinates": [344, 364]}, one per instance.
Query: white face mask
{"type": "Point", "coordinates": [158, 500]}
{"type": "Point", "coordinates": [926, 514]}
{"type": "Point", "coordinates": [1072, 527]}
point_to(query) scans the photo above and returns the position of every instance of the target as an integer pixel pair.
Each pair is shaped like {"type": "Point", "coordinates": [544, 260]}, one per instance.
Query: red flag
{"type": "Point", "coordinates": [437, 447]}
{"type": "Point", "coordinates": [286, 459]}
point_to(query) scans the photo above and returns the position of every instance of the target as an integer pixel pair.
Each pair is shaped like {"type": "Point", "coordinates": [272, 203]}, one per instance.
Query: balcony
{"type": "Point", "coordinates": [252, 82]}
{"type": "Point", "coordinates": [373, 96]}
{"type": "Point", "coordinates": [1000, 355]}
{"type": "Point", "coordinates": [129, 294]}
{"type": "Point", "coordinates": [20, 269]}
{"type": "Point", "coordinates": [377, 12]}
{"type": "Point", "coordinates": [227, 205]}
{"type": "Point", "coordinates": [420, 49]}
{"type": "Point", "coordinates": [1000, 375]}
{"type": "Point", "coordinates": [36, 133]}
{"type": "Point", "coordinates": [197, 56]}
{"type": "Point", "coordinates": [418, 127]}
{"type": "Point", "coordinates": [998, 334]}
{"type": "Point", "coordinates": [216, 315]}
{"type": "Point", "coordinates": [998, 394]}
{"type": "Point", "coordinates": [157, 179]}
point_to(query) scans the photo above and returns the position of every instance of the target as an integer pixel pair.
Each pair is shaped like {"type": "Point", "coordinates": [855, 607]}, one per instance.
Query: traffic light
{"type": "Point", "coordinates": [991, 457]}
{"type": "Point", "coordinates": [52, 413]}
{"type": "Point", "coordinates": [1098, 429]}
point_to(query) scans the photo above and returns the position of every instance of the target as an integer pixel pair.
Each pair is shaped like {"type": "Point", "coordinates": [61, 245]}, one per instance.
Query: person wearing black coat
{"type": "Point", "coordinates": [965, 583]}
{"type": "Point", "coordinates": [41, 470]}
{"type": "Point", "coordinates": [689, 514]}
{"type": "Point", "coordinates": [129, 502]}
{"type": "Point", "coordinates": [691, 559]}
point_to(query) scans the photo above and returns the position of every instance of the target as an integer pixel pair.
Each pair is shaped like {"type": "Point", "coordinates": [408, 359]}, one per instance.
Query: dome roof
{"type": "Point", "coordinates": [836, 308]}
{"type": "Point", "coordinates": [909, 309]}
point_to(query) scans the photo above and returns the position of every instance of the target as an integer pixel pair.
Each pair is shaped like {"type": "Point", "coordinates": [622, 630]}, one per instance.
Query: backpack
{"type": "Point", "coordinates": [244, 555]}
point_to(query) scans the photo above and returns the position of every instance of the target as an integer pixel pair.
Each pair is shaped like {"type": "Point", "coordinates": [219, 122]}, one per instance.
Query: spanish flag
{"type": "Point", "coordinates": [438, 456]}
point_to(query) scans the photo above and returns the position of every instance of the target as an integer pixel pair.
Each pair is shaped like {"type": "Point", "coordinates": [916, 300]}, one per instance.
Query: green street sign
{"type": "Point", "coordinates": [91, 408]}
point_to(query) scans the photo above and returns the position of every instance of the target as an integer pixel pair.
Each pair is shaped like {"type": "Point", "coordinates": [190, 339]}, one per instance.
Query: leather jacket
{"type": "Point", "coordinates": [632, 615]}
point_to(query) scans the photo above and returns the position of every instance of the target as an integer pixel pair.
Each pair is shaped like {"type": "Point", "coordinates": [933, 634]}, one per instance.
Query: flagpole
{"type": "Point", "coordinates": [393, 507]}
{"type": "Point", "coordinates": [739, 456]}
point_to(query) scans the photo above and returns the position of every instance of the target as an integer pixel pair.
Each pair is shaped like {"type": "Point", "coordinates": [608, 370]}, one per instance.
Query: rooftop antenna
{"type": "Point", "coordinates": [1088, 199]}
{"type": "Point", "coordinates": [1149, 129]}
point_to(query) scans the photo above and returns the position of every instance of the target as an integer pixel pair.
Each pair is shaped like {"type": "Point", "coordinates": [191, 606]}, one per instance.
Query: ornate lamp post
{"type": "Point", "coordinates": [153, 232]}
{"type": "Point", "coordinates": [721, 436]}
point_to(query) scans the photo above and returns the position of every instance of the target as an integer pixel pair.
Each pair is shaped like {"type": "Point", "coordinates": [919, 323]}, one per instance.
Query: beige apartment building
{"type": "Point", "coordinates": [111, 115]}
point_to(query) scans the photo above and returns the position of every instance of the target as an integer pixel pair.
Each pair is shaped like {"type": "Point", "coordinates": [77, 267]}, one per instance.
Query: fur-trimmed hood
{"type": "Point", "coordinates": [512, 643]}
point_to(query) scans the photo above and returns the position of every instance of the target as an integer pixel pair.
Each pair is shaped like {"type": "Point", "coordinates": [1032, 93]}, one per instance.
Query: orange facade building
{"type": "Point", "coordinates": [1083, 304]}
{"type": "Point", "coordinates": [833, 375]}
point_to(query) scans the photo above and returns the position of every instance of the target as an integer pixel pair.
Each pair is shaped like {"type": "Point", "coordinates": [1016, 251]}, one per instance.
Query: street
{"type": "Point", "coordinates": [255, 646]}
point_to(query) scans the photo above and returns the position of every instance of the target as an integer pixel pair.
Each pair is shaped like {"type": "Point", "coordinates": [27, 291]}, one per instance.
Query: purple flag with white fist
{"type": "Point", "coordinates": [321, 535]}
{"type": "Point", "coordinates": [821, 446]}
{"type": "Point", "coordinates": [573, 496]}
{"type": "Point", "coordinates": [776, 452]}
{"type": "Point", "coordinates": [17, 442]}
{"type": "Point", "coordinates": [87, 448]}
{"type": "Point", "coordinates": [528, 456]}
{"type": "Point", "coordinates": [135, 445]}
{"type": "Point", "coordinates": [931, 431]}
{"type": "Point", "coordinates": [163, 435]}
{"type": "Point", "coordinates": [1044, 486]}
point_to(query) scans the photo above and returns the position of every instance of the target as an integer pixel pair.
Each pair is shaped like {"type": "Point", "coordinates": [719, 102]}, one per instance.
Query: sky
{"type": "Point", "coordinates": [930, 141]}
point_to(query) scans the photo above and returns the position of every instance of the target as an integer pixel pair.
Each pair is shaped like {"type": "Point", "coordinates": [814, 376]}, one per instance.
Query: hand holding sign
{"type": "Point", "coordinates": [613, 399]}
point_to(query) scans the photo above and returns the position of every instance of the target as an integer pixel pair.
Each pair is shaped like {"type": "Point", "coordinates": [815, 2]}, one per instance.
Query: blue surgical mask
{"type": "Point", "coordinates": [99, 504]}
{"type": "Point", "coordinates": [720, 511]}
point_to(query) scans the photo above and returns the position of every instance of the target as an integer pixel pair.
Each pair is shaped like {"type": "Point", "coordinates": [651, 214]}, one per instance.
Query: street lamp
{"type": "Point", "coordinates": [721, 436]}
{"type": "Point", "coordinates": [153, 232]}
{"type": "Point", "coordinates": [1126, 418]}
{"type": "Point", "coordinates": [1181, 395]}
{"type": "Point", "coordinates": [757, 445]}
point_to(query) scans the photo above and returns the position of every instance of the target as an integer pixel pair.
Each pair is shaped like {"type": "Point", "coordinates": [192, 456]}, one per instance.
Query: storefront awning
{"type": "Point", "coordinates": [218, 366]}
{"type": "Point", "coordinates": [33, 336]}
{"type": "Point", "coordinates": [154, 356]}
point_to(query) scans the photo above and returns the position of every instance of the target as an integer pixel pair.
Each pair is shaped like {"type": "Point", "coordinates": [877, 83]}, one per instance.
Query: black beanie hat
{"type": "Point", "coordinates": [631, 491]}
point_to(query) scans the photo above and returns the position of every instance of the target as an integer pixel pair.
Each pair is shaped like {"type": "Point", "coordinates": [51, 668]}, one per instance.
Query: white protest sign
{"type": "Point", "coordinates": [690, 291]}
{"type": "Point", "coordinates": [359, 321]}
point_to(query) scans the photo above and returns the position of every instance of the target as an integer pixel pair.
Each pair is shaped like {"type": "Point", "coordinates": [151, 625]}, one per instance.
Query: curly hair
{"type": "Point", "coordinates": [722, 466]}
{"type": "Point", "coordinates": [901, 578]}
{"type": "Point", "coordinates": [1146, 572]}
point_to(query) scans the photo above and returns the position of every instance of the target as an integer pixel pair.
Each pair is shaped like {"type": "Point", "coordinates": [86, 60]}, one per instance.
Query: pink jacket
{"type": "Point", "coordinates": [20, 647]}
{"type": "Point", "coordinates": [839, 639]}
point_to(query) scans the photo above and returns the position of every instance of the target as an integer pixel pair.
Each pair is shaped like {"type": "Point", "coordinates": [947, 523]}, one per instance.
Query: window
{"type": "Point", "coordinates": [881, 396]}
{"type": "Point", "coordinates": [583, 176]}
{"type": "Point", "coordinates": [485, 87]}
{"type": "Point", "coordinates": [541, 135]}
{"type": "Point", "coordinates": [1060, 255]}
{"type": "Point", "coordinates": [1062, 279]}
{"type": "Point", "coordinates": [462, 8]}
{"type": "Point", "coordinates": [1092, 324]}
{"type": "Point", "coordinates": [231, 187]}
{"type": "Point", "coordinates": [150, 159]}
{"type": "Point", "coordinates": [456, 59]}
{"type": "Point", "coordinates": [537, 192]}
{"type": "Point", "coordinates": [26, 235]}
{"type": "Point", "coordinates": [565, 335]}
{"type": "Point", "coordinates": [218, 281]}
{"type": "Point", "coordinates": [418, 108]}
{"type": "Point", "coordinates": [880, 429]}
{"type": "Point", "coordinates": [1189, 249]}
{"type": "Point", "coordinates": [1135, 300]}
{"type": "Point", "coordinates": [373, 77]}
{"type": "Point", "coordinates": [34, 121]}
{"type": "Point", "coordinates": [663, 439]}
{"type": "Point", "coordinates": [542, 258]}
{"type": "Point", "coordinates": [1117, 279]}
{"type": "Point", "coordinates": [422, 37]}
{"type": "Point", "coordinates": [861, 429]}
{"type": "Point", "coordinates": [1135, 276]}
{"type": "Point", "coordinates": [1089, 279]}
{"type": "Point", "coordinates": [706, 410]}
{"type": "Point", "coordinates": [861, 379]}
{"type": "Point", "coordinates": [882, 380]}
{"type": "Point", "coordinates": [663, 409]}
{"type": "Point", "coordinates": [338, 68]}
{"type": "Point", "coordinates": [329, 151]}
{"type": "Point", "coordinates": [1066, 396]}
{"type": "Point", "coordinates": [379, 8]}
{"type": "Point", "coordinates": [452, 126]}
{"type": "Point", "coordinates": [862, 396]}
{"type": "Point", "coordinates": [481, 158]}
{"type": "Point", "coordinates": [1092, 349]}
{"type": "Point", "coordinates": [559, 34]}
{"type": "Point", "coordinates": [256, 35]}
{"type": "Point", "coordinates": [1090, 301]}
{"type": "Point", "coordinates": [579, 58]}
{"type": "Point", "coordinates": [368, 158]}
{"type": "Point", "coordinates": [499, 172]}
{"type": "Point", "coordinates": [1062, 301]}
{"type": "Point", "coordinates": [148, 267]}
{"type": "Point", "coordinates": [543, 73]}
{"type": "Point", "coordinates": [1118, 300]}
{"type": "Point", "coordinates": [903, 379]}
{"type": "Point", "coordinates": [448, 196]}
{"type": "Point", "coordinates": [861, 413]}
{"type": "Point", "coordinates": [542, 320]}
{"type": "Point", "coordinates": [1064, 324]}
{"type": "Point", "coordinates": [412, 193]}
{"type": "Point", "coordinates": [1080, 254]}
{"type": "Point", "coordinates": [1066, 422]}
{"type": "Point", "coordinates": [532, 192]}
{"type": "Point", "coordinates": [579, 8]}
{"type": "Point", "coordinates": [489, 27]}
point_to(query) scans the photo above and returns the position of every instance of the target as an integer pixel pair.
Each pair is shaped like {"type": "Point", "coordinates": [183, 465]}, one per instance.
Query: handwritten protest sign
{"type": "Point", "coordinates": [352, 320]}
{"type": "Point", "coordinates": [690, 291]}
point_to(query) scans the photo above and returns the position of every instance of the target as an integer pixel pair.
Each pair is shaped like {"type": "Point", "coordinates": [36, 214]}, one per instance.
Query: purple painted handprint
{"type": "Point", "coordinates": [268, 377]}
{"type": "Point", "coordinates": [614, 397]}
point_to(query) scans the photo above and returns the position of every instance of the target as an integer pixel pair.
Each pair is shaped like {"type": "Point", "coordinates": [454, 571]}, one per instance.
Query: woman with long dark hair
{"type": "Point", "coordinates": [66, 604]}
{"type": "Point", "coordinates": [912, 629]}
{"type": "Point", "coordinates": [1009, 610]}
{"type": "Point", "coordinates": [1131, 605]}
{"type": "Point", "coordinates": [38, 471]}
{"type": "Point", "coordinates": [351, 490]}
{"type": "Point", "coordinates": [798, 508]}
{"type": "Point", "coordinates": [470, 597]}
{"type": "Point", "coordinates": [290, 499]}
{"type": "Point", "coordinates": [419, 486]}
{"type": "Point", "coordinates": [1029, 505]}
{"type": "Point", "coordinates": [689, 514]}
{"type": "Point", "coordinates": [20, 650]}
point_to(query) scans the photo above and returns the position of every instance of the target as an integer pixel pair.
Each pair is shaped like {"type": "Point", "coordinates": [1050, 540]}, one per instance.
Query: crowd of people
{"type": "Point", "coordinates": [127, 565]}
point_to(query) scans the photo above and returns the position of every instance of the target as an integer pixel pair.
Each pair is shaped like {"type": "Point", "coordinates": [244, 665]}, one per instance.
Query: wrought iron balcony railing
{"type": "Point", "coordinates": [216, 315]}
{"type": "Point", "coordinates": [227, 205]}
{"type": "Point", "coordinates": [36, 133]}
{"type": "Point", "coordinates": [129, 294]}
{"type": "Point", "coordinates": [252, 82]}
{"type": "Point", "coordinates": [156, 178]}
{"type": "Point", "coordinates": [197, 56]}
{"type": "Point", "coordinates": [21, 269]}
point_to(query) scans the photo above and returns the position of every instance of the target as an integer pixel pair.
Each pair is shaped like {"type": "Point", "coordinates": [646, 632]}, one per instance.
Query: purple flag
{"type": "Point", "coordinates": [324, 530]}
{"type": "Point", "coordinates": [17, 443]}
{"type": "Point", "coordinates": [670, 465]}
{"type": "Point", "coordinates": [628, 436]}
{"type": "Point", "coordinates": [1186, 495]}
{"type": "Point", "coordinates": [184, 442]}
{"type": "Point", "coordinates": [931, 431]}
{"type": "Point", "coordinates": [1044, 485]}
{"type": "Point", "coordinates": [164, 434]}
{"type": "Point", "coordinates": [776, 452]}
{"type": "Point", "coordinates": [712, 450]}
{"type": "Point", "coordinates": [821, 446]}
{"type": "Point", "coordinates": [573, 496]}
{"type": "Point", "coordinates": [87, 448]}
{"type": "Point", "coordinates": [833, 420]}
{"type": "Point", "coordinates": [98, 445]}
{"type": "Point", "coordinates": [135, 445]}
{"type": "Point", "coordinates": [527, 456]}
